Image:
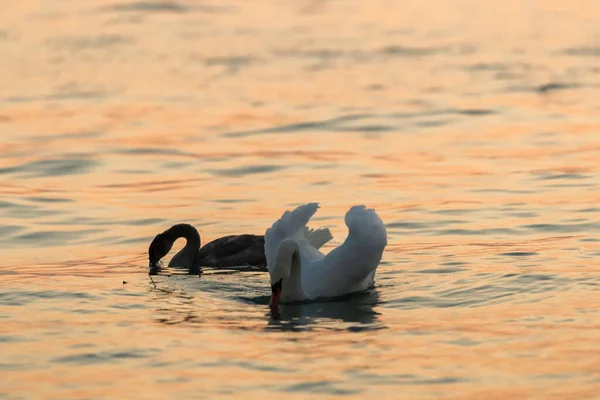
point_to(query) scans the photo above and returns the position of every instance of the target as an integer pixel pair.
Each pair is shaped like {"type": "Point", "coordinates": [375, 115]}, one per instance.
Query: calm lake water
{"type": "Point", "coordinates": [473, 128]}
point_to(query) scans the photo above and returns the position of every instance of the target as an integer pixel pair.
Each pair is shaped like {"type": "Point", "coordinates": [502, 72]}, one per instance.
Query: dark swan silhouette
{"type": "Point", "coordinates": [242, 251]}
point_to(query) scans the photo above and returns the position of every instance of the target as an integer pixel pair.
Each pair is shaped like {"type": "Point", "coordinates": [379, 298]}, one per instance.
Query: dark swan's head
{"type": "Point", "coordinates": [162, 244]}
{"type": "Point", "coordinates": [160, 247]}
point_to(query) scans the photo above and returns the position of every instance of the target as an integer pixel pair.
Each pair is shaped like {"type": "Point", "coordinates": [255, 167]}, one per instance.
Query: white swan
{"type": "Point", "coordinates": [299, 271]}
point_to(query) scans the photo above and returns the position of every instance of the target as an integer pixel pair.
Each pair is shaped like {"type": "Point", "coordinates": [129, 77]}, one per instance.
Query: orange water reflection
{"type": "Point", "coordinates": [472, 128]}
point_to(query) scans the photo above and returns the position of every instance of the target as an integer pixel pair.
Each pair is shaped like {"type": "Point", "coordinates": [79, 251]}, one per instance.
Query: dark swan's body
{"type": "Point", "coordinates": [234, 251]}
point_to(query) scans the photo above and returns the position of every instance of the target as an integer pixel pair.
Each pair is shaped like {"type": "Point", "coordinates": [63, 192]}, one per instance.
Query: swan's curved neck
{"type": "Point", "coordinates": [287, 258]}
{"type": "Point", "coordinates": [286, 276]}
{"type": "Point", "coordinates": [186, 257]}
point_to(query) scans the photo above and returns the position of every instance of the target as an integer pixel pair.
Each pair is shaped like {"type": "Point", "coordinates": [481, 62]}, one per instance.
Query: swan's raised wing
{"type": "Point", "coordinates": [291, 224]}
{"type": "Point", "coordinates": [317, 237]}
{"type": "Point", "coordinates": [351, 266]}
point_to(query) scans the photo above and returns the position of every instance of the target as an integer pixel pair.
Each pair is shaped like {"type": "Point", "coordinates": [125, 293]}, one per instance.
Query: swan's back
{"type": "Point", "coordinates": [244, 251]}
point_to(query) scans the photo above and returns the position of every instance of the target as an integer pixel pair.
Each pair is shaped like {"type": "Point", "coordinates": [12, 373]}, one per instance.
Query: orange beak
{"type": "Point", "coordinates": [275, 300]}
{"type": "Point", "coordinates": [275, 294]}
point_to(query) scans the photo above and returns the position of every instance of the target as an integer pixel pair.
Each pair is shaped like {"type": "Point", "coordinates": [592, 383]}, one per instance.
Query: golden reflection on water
{"type": "Point", "coordinates": [472, 128]}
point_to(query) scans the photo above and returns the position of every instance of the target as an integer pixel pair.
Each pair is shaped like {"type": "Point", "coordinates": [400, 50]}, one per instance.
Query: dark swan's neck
{"type": "Point", "coordinates": [186, 231]}
{"type": "Point", "coordinates": [186, 257]}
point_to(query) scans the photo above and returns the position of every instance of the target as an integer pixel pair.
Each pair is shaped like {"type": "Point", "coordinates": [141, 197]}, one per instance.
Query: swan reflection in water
{"type": "Point", "coordinates": [245, 306]}
{"type": "Point", "coordinates": [357, 309]}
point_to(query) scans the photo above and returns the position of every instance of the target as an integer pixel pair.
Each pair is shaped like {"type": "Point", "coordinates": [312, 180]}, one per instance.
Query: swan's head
{"type": "Point", "coordinates": [160, 247]}
{"type": "Point", "coordinates": [288, 256]}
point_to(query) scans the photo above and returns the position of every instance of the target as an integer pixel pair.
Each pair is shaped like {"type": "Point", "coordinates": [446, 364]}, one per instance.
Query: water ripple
{"type": "Point", "coordinates": [50, 238]}
{"type": "Point", "coordinates": [325, 387]}
{"type": "Point", "coordinates": [248, 170]}
{"type": "Point", "coordinates": [565, 228]}
{"type": "Point", "coordinates": [22, 297]}
{"type": "Point", "coordinates": [347, 123]}
{"type": "Point", "coordinates": [84, 359]}
{"type": "Point", "coordinates": [161, 6]}
{"type": "Point", "coordinates": [52, 167]}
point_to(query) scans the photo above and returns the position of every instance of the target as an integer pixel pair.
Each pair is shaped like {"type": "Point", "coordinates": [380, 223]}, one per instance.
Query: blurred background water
{"type": "Point", "coordinates": [472, 127]}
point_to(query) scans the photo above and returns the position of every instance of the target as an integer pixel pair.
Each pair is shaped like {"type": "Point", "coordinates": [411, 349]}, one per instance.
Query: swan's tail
{"type": "Point", "coordinates": [292, 224]}
{"type": "Point", "coordinates": [367, 238]}
{"type": "Point", "coordinates": [365, 224]}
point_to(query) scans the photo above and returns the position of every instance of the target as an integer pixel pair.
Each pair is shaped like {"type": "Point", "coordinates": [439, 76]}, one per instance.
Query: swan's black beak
{"type": "Point", "coordinates": [154, 267]}
{"type": "Point", "coordinates": [275, 294]}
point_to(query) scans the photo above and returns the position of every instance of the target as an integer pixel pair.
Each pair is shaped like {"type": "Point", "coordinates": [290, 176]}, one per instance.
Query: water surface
{"type": "Point", "coordinates": [471, 127]}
